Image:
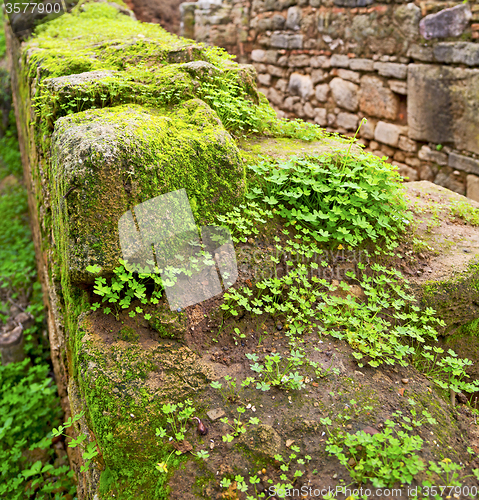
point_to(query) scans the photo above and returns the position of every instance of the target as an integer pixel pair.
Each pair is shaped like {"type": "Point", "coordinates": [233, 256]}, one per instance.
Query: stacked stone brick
{"type": "Point", "coordinates": [412, 69]}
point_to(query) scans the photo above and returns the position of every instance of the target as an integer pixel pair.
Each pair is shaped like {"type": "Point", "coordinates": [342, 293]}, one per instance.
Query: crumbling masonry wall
{"type": "Point", "coordinates": [412, 69]}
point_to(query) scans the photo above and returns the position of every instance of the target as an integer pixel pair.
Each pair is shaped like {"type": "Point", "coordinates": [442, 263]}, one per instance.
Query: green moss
{"type": "Point", "coordinates": [471, 328]}
{"type": "Point", "coordinates": [148, 154]}
{"type": "Point", "coordinates": [454, 299]}
{"type": "Point", "coordinates": [123, 411]}
{"type": "Point", "coordinates": [128, 334]}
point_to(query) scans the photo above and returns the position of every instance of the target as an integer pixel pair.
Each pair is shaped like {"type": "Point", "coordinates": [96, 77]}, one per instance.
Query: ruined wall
{"type": "Point", "coordinates": [166, 12]}
{"type": "Point", "coordinates": [412, 69]}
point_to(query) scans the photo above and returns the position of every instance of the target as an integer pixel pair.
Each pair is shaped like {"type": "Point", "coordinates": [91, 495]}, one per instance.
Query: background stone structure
{"type": "Point", "coordinates": [412, 69]}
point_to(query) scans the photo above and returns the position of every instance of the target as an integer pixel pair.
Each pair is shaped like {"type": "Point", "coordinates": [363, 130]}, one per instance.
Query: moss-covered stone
{"type": "Point", "coordinates": [106, 161]}
{"type": "Point", "coordinates": [445, 228]}
{"type": "Point", "coordinates": [169, 324]}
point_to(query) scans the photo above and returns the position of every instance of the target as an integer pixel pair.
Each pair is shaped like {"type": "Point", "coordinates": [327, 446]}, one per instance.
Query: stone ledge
{"type": "Point", "coordinates": [464, 163]}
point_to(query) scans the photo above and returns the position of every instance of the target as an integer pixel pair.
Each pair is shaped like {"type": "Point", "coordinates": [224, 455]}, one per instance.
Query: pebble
{"type": "Point", "coordinates": [215, 414]}
{"type": "Point", "coordinates": [405, 380]}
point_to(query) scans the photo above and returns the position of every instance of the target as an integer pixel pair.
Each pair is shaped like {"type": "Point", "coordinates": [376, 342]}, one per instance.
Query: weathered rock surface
{"type": "Point", "coordinates": [449, 280]}
{"type": "Point", "coordinates": [446, 23]}
{"type": "Point", "coordinates": [377, 100]}
{"type": "Point", "coordinates": [345, 94]}
{"type": "Point", "coordinates": [443, 105]}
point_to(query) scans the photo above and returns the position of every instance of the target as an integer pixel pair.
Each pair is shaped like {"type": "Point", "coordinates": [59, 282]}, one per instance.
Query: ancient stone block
{"type": "Point", "coordinates": [290, 101]}
{"type": "Point", "coordinates": [445, 179]}
{"type": "Point", "coordinates": [367, 129]}
{"type": "Point", "coordinates": [309, 110]}
{"type": "Point", "coordinates": [353, 3]}
{"type": "Point", "coordinates": [428, 154]}
{"type": "Point", "coordinates": [349, 121]}
{"type": "Point", "coordinates": [261, 24]}
{"type": "Point", "coordinates": [419, 53]}
{"type": "Point", "coordinates": [293, 18]}
{"type": "Point", "coordinates": [275, 70]}
{"type": "Point", "coordinates": [394, 70]}
{"type": "Point", "coordinates": [472, 187]}
{"type": "Point", "coordinates": [295, 42]}
{"type": "Point", "coordinates": [387, 150]}
{"type": "Point", "coordinates": [408, 173]}
{"type": "Point", "coordinates": [387, 133]}
{"type": "Point", "coordinates": [443, 106]}
{"type": "Point", "coordinates": [298, 109]}
{"type": "Point", "coordinates": [278, 22]}
{"type": "Point", "coordinates": [299, 61]}
{"type": "Point", "coordinates": [285, 41]}
{"type": "Point", "coordinates": [270, 56]}
{"type": "Point", "coordinates": [300, 85]}
{"type": "Point", "coordinates": [399, 155]}
{"type": "Point", "coordinates": [361, 64]}
{"type": "Point", "coordinates": [317, 75]}
{"type": "Point", "coordinates": [407, 17]}
{"type": "Point", "coordinates": [407, 144]}
{"type": "Point", "coordinates": [275, 97]}
{"type": "Point", "coordinates": [464, 163]}
{"type": "Point", "coordinates": [398, 87]}
{"type": "Point", "coordinates": [446, 23]}
{"type": "Point", "coordinates": [264, 79]}
{"type": "Point", "coordinates": [322, 92]}
{"type": "Point", "coordinates": [457, 52]}
{"type": "Point", "coordinates": [282, 85]}
{"type": "Point", "coordinates": [320, 116]}
{"type": "Point", "coordinates": [413, 161]}
{"type": "Point", "coordinates": [339, 61]}
{"type": "Point", "coordinates": [320, 62]}
{"type": "Point", "coordinates": [426, 173]}
{"type": "Point", "coordinates": [345, 94]}
{"type": "Point", "coordinates": [258, 55]}
{"type": "Point", "coordinates": [260, 67]}
{"type": "Point", "coordinates": [377, 100]}
{"type": "Point", "coordinates": [347, 74]}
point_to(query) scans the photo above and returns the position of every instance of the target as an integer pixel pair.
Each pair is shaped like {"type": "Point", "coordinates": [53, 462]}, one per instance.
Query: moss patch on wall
{"type": "Point", "coordinates": [112, 159]}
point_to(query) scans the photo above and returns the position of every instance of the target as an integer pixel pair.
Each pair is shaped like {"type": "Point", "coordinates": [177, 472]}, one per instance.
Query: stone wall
{"type": "Point", "coordinates": [412, 69]}
{"type": "Point", "coordinates": [166, 12]}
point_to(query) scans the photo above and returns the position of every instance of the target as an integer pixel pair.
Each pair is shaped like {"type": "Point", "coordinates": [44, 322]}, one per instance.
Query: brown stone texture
{"type": "Point", "coordinates": [473, 187]}
{"type": "Point", "coordinates": [443, 106]}
{"type": "Point", "coordinates": [164, 12]}
{"type": "Point", "coordinates": [377, 100]}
